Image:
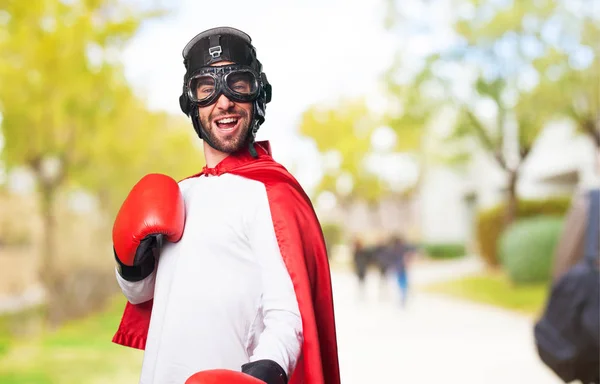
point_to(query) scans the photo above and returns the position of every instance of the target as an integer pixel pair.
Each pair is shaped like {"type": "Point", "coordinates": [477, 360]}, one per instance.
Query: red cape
{"type": "Point", "coordinates": [303, 250]}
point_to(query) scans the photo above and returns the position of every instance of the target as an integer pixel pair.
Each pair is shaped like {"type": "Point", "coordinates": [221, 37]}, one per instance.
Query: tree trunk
{"type": "Point", "coordinates": [591, 128]}
{"type": "Point", "coordinates": [47, 255]}
{"type": "Point", "coordinates": [47, 272]}
{"type": "Point", "coordinates": [511, 198]}
{"type": "Point", "coordinates": [48, 184]}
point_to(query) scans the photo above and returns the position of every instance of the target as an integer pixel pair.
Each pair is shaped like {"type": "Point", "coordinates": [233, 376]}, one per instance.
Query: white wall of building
{"type": "Point", "coordinates": [444, 213]}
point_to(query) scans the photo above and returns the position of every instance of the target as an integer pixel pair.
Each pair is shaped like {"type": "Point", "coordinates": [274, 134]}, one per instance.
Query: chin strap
{"type": "Point", "coordinates": [251, 137]}
{"type": "Point", "coordinates": [252, 150]}
{"type": "Point", "coordinates": [252, 132]}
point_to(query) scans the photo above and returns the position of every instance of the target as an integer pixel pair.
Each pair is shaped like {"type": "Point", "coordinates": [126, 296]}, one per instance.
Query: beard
{"type": "Point", "coordinates": [223, 142]}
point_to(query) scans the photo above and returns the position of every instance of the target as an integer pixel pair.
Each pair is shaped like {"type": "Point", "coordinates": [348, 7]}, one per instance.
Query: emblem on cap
{"type": "Point", "coordinates": [215, 52]}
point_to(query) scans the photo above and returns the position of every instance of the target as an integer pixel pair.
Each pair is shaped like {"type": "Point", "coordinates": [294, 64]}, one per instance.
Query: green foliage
{"type": "Point", "coordinates": [53, 98]}
{"type": "Point", "coordinates": [413, 107]}
{"type": "Point", "coordinates": [344, 131]}
{"type": "Point", "coordinates": [137, 142]}
{"type": "Point", "coordinates": [514, 38]}
{"type": "Point", "coordinates": [333, 234]}
{"type": "Point", "coordinates": [64, 98]}
{"type": "Point", "coordinates": [504, 55]}
{"type": "Point", "coordinates": [526, 248]}
{"type": "Point", "coordinates": [20, 324]}
{"type": "Point", "coordinates": [495, 289]}
{"type": "Point", "coordinates": [80, 351]}
{"type": "Point", "coordinates": [444, 250]}
{"type": "Point", "coordinates": [570, 93]}
{"type": "Point", "coordinates": [490, 222]}
{"type": "Point", "coordinates": [60, 102]}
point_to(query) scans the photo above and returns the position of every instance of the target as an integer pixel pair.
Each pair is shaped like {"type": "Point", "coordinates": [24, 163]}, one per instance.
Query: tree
{"type": "Point", "coordinates": [55, 93]}
{"type": "Point", "coordinates": [415, 106]}
{"type": "Point", "coordinates": [519, 58]}
{"type": "Point", "coordinates": [342, 133]}
{"type": "Point", "coordinates": [527, 118]}
{"type": "Point", "coordinates": [132, 143]}
{"type": "Point", "coordinates": [571, 87]}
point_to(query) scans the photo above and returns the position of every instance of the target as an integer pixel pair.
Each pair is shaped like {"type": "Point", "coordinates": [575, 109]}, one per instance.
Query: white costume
{"type": "Point", "coordinates": [222, 294]}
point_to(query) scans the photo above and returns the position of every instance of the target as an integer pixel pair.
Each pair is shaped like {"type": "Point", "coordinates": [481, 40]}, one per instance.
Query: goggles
{"type": "Point", "coordinates": [237, 82]}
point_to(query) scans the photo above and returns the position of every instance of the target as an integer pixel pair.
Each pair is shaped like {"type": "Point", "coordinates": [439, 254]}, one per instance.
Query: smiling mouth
{"type": "Point", "coordinates": [227, 124]}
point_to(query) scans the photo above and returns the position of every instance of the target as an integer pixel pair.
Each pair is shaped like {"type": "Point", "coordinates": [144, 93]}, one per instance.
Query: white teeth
{"type": "Point", "coordinates": [227, 120]}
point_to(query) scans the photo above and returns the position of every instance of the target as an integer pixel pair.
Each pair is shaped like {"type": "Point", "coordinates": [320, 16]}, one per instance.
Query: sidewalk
{"type": "Point", "coordinates": [435, 339]}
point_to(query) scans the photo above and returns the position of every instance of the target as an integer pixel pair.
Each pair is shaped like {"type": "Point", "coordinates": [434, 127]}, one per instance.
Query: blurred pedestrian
{"type": "Point", "coordinates": [360, 257]}
{"type": "Point", "coordinates": [401, 253]}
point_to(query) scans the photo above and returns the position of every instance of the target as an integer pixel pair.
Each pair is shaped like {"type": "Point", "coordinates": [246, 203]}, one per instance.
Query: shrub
{"type": "Point", "coordinates": [490, 222]}
{"type": "Point", "coordinates": [333, 234]}
{"type": "Point", "coordinates": [444, 250]}
{"type": "Point", "coordinates": [526, 248]}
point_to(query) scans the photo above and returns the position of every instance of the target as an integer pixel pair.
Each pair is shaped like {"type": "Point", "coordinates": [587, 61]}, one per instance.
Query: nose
{"type": "Point", "coordinates": [224, 103]}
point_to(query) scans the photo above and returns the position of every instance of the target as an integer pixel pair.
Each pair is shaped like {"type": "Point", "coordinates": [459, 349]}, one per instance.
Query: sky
{"type": "Point", "coordinates": [312, 51]}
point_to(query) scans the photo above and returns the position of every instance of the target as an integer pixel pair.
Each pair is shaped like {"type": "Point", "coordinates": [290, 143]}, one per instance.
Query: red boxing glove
{"type": "Point", "coordinates": [154, 210]}
{"type": "Point", "coordinates": [222, 376]}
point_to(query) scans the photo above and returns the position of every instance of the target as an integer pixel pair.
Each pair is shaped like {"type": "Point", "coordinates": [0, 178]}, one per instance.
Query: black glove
{"type": "Point", "coordinates": [148, 252]}
{"type": "Point", "coordinates": [266, 370]}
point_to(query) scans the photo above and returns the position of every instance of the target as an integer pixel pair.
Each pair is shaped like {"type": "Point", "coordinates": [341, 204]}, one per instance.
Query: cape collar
{"type": "Point", "coordinates": [234, 160]}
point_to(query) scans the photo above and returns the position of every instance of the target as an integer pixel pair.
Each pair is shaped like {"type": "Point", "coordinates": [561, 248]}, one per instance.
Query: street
{"type": "Point", "coordinates": [434, 340]}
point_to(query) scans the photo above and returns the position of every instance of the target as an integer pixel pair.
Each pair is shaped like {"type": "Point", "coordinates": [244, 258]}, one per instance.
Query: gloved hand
{"type": "Point", "coordinates": [152, 212]}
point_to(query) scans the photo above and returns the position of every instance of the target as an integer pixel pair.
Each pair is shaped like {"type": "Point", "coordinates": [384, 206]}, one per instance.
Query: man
{"type": "Point", "coordinates": [242, 280]}
{"type": "Point", "coordinates": [401, 254]}
{"type": "Point", "coordinates": [361, 263]}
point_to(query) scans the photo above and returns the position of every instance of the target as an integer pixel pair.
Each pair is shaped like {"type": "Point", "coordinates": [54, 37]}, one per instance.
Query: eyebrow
{"type": "Point", "coordinates": [205, 81]}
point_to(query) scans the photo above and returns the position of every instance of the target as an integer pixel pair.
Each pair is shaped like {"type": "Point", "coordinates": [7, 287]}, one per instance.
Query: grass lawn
{"type": "Point", "coordinates": [79, 352]}
{"type": "Point", "coordinates": [496, 289]}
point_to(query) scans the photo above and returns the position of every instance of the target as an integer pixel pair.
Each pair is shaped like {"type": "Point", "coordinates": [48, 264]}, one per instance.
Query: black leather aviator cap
{"type": "Point", "coordinates": [220, 44]}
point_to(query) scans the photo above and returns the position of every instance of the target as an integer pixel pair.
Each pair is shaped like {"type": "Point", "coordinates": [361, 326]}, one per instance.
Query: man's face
{"type": "Point", "coordinates": [226, 122]}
